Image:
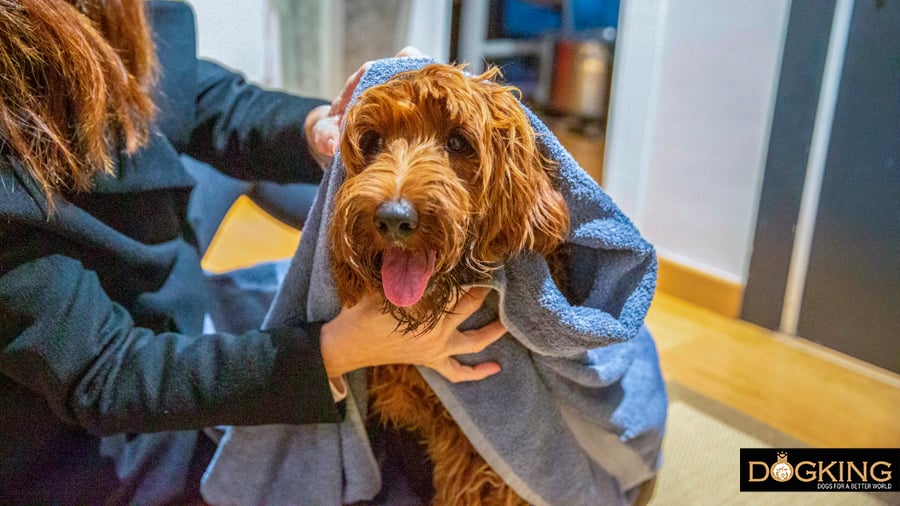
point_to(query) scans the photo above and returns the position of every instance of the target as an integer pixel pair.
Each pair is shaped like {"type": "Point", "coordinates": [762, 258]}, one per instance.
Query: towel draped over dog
{"type": "Point", "coordinates": [575, 417]}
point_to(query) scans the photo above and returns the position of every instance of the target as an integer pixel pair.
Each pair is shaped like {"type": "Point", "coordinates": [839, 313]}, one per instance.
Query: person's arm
{"type": "Point", "coordinates": [63, 338]}
{"type": "Point", "coordinates": [251, 133]}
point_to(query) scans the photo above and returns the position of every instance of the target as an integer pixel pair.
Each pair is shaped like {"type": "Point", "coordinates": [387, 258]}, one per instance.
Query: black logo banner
{"type": "Point", "coordinates": [819, 469]}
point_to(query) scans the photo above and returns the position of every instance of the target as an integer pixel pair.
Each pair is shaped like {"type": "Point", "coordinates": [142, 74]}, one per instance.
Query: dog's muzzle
{"type": "Point", "coordinates": [396, 219]}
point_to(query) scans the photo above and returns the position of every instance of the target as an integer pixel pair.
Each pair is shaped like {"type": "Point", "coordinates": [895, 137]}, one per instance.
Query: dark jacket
{"type": "Point", "coordinates": [102, 302]}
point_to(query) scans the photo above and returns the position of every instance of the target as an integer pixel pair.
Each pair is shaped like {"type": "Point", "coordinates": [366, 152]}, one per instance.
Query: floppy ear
{"type": "Point", "coordinates": [350, 286]}
{"type": "Point", "coordinates": [348, 282]}
{"type": "Point", "coordinates": [524, 210]}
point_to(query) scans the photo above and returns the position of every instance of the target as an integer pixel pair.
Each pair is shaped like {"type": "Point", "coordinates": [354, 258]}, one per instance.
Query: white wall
{"type": "Point", "coordinates": [429, 27]}
{"type": "Point", "coordinates": [693, 91]}
{"type": "Point", "coordinates": [242, 34]}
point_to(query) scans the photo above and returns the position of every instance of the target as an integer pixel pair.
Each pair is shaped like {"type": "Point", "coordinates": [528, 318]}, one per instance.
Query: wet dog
{"type": "Point", "coordinates": [445, 182]}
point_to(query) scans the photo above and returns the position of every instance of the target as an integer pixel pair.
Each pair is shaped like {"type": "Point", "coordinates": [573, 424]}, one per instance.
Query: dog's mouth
{"type": "Point", "coordinates": [405, 275]}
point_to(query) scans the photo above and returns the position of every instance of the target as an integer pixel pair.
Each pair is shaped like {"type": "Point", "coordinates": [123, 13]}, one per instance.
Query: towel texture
{"type": "Point", "coordinates": [575, 417]}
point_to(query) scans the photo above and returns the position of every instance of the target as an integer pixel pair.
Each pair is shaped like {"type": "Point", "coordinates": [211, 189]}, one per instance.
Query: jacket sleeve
{"type": "Point", "coordinates": [248, 132]}
{"type": "Point", "coordinates": [63, 338]}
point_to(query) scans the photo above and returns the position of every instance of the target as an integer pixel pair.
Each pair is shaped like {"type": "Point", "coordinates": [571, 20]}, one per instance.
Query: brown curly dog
{"type": "Point", "coordinates": [445, 182]}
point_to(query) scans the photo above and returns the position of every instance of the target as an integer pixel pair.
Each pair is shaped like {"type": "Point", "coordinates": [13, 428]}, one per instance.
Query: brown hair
{"type": "Point", "coordinates": [75, 81]}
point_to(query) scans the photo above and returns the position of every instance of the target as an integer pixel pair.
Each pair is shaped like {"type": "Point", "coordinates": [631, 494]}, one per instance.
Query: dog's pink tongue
{"type": "Point", "coordinates": [405, 275]}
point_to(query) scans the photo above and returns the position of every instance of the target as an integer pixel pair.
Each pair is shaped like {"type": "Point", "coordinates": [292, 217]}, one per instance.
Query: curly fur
{"type": "Point", "coordinates": [400, 397]}
{"type": "Point", "coordinates": [461, 151]}
{"type": "Point", "coordinates": [477, 208]}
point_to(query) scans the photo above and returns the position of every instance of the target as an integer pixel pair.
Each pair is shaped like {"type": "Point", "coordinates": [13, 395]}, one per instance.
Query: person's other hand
{"type": "Point", "coordinates": [322, 125]}
{"type": "Point", "coordinates": [321, 142]}
{"type": "Point", "coordinates": [363, 336]}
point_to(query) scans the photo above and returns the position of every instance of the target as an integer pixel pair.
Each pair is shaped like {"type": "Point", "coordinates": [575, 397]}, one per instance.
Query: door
{"type": "Point", "coordinates": [851, 280]}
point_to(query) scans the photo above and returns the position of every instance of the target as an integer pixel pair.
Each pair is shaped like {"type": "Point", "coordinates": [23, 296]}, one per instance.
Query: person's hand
{"type": "Point", "coordinates": [323, 124]}
{"type": "Point", "coordinates": [321, 142]}
{"type": "Point", "coordinates": [363, 336]}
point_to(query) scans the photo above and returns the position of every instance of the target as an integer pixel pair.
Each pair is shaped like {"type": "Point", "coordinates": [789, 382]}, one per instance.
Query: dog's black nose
{"type": "Point", "coordinates": [396, 219]}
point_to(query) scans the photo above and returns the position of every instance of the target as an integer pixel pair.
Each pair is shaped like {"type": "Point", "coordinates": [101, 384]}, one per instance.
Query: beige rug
{"type": "Point", "coordinates": [701, 455]}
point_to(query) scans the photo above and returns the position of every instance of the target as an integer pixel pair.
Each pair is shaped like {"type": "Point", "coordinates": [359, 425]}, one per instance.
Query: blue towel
{"type": "Point", "coordinates": [575, 417]}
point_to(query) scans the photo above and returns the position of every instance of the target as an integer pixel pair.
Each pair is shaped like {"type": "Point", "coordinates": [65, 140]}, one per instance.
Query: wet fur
{"type": "Point", "coordinates": [478, 207]}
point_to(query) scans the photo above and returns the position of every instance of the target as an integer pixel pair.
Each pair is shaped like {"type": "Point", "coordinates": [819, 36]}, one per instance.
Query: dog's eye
{"type": "Point", "coordinates": [458, 145]}
{"type": "Point", "coordinates": [371, 143]}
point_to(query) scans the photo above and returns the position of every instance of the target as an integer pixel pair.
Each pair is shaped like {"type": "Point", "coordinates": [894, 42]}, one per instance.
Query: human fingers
{"type": "Point", "coordinates": [476, 340]}
{"type": "Point", "coordinates": [411, 52]}
{"type": "Point", "coordinates": [339, 105]}
{"type": "Point", "coordinates": [326, 136]}
{"type": "Point", "coordinates": [468, 302]}
{"type": "Point", "coordinates": [321, 136]}
{"type": "Point", "coordinates": [455, 372]}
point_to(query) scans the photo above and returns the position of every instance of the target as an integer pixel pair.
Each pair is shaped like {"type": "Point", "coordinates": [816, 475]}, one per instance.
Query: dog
{"type": "Point", "coordinates": [445, 182]}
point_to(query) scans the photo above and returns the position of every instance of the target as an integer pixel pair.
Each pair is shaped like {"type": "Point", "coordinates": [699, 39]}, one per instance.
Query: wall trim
{"type": "Point", "coordinates": [799, 84]}
{"type": "Point", "coordinates": [702, 288]}
{"type": "Point", "coordinates": [815, 168]}
{"type": "Point", "coordinates": [840, 359]}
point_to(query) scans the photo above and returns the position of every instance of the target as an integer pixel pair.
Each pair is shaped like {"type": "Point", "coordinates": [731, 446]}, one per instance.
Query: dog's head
{"type": "Point", "coordinates": [444, 182]}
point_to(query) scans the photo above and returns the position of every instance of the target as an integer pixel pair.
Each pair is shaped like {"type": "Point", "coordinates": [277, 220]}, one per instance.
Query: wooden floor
{"type": "Point", "coordinates": [815, 395]}
{"type": "Point", "coordinates": [818, 396]}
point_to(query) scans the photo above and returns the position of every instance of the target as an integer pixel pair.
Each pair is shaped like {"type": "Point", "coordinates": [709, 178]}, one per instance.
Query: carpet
{"type": "Point", "coordinates": [701, 454]}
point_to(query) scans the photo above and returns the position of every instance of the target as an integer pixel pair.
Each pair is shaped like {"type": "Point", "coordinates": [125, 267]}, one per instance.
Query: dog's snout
{"type": "Point", "coordinates": [396, 219]}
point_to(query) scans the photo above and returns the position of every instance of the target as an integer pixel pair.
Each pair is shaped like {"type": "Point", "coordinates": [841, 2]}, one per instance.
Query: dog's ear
{"type": "Point", "coordinates": [350, 286]}
{"type": "Point", "coordinates": [517, 179]}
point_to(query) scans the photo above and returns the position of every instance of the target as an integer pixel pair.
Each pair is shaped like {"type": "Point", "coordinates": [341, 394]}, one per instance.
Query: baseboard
{"type": "Point", "coordinates": [701, 288]}
{"type": "Point", "coordinates": [841, 359]}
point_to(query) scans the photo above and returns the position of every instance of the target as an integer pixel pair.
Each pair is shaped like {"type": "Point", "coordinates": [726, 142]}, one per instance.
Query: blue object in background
{"type": "Point", "coordinates": [525, 19]}
{"type": "Point", "coordinates": [593, 14]}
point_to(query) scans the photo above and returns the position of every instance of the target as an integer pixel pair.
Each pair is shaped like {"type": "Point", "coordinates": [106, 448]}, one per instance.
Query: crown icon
{"type": "Point", "coordinates": [782, 456]}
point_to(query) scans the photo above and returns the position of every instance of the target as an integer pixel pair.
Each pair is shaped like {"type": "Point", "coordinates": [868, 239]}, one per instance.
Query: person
{"type": "Point", "coordinates": [106, 376]}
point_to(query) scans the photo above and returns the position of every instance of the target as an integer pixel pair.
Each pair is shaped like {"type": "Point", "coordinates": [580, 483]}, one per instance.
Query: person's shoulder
{"type": "Point", "coordinates": [169, 5]}
{"type": "Point", "coordinates": [163, 13]}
